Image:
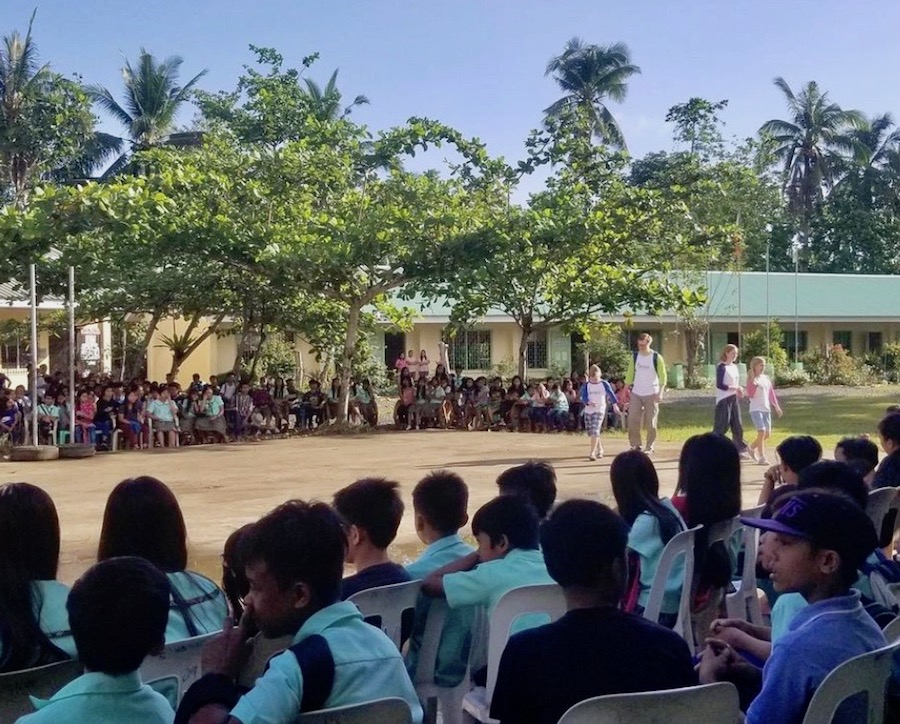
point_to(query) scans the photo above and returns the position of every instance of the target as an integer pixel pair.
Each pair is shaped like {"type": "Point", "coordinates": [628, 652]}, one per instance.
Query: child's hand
{"type": "Point", "coordinates": [773, 475]}
{"type": "Point", "coordinates": [778, 412]}
{"type": "Point", "coordinates": [715, 661]}
{"type": "Point", "coordinates": [227, 653]}
{"type": "Point", "coordinates": [720, 624]}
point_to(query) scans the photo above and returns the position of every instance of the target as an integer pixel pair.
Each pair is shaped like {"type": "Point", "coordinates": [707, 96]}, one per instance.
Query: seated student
{"type": "Point", "coordinates": [795, 453]}
{"type": "Point", "coordinates": [595, 649]}
{"type": "Point", "coordinates": [820, 542]}
{"type": "Point", "coordinates": [860, 453]}
{"type": "Point", "coordinates": [105, 418]}
{"type": "Point", "coordinates": [128, 596]}
{"type": "Point", "coordinates": [888, 472]}
{"type": "Point", "coordinates": [534, 482]}
{"type": "Point", "coordinates": [294, 559]}
{"type": "Point", "coordinates": [142, 518]}
{"type": "Point", "coordinates": [164, 413]}
{"type": "Point", "coordinates": [371, 509]}
{"type": "Point", "coordinates": [34, 626]}
{"type": "Point", "coordinates": [10, 419]}
{"type": "Point", "coordinates": [654, 522]}
{"type": "Point", "coordinates": [48, 416]}
{"type": "Point", "coordinates": [440, 501]}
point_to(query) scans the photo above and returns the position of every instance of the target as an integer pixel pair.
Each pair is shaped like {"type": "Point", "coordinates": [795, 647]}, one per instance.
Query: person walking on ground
{"type": "Point", "coordinates": [647, 378]}
{"type": "Point", "coordinates": [728, 396]}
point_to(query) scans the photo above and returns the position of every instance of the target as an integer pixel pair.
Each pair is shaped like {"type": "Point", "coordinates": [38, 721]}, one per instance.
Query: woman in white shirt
{"type": "Point", "coordinates": [728, 396]}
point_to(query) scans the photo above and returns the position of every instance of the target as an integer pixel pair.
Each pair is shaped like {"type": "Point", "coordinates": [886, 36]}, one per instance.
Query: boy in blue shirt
{"type": "Point", "coordinates": [820, 540]}
{"type": "Point", "coordinates": [294, 559]}
{"type": "Point", "coordinates": [534, 482]}
{"type": "Point", "coordinates": [117, 612]}
{"type": "Point", "coordinates": [440, 502]}
{"type": "Point", "coordinates": [371, 510]}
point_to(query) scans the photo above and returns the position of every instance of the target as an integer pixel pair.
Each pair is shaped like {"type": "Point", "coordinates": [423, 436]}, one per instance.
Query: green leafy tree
{"type": "Point", "coordinates": [327, 101]}
{"type": "Point", "coordinates": [591, 75]}
{"type": "Point", "coordinates": [697, 125]}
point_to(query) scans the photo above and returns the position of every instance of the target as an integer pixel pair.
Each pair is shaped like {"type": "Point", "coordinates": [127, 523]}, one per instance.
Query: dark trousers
{"type": "Point", "coordinates": [728, 415]}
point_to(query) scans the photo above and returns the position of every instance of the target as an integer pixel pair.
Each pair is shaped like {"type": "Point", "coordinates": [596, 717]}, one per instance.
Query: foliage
{"type": "Point", "coordinates": [276, 357]}
{"type": "Point", "coordinates": [787, 377]}
{"type": "Point", "coordinates": [890, 359]}
{"type": "Point", "coordinates": [697, 124]}
{"type": "Point", "coordinates": [836, 366]}
{"type": "Point", "coordinates": [606, 348]}
{"type": "Point", "coordinates": [128, 353]}
{"type": "Point", "coordinates": [756, 342]}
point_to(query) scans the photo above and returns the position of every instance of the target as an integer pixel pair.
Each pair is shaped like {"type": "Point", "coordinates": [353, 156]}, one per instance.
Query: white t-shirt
{"type": "Point", "coordinates": [596, 392]}
{"type": "Point", "coordinates": [731, 379]}
{"type": "Point", "coordinates": [646, 380]}
{"type": "Point", "coordinates": [760, 402]}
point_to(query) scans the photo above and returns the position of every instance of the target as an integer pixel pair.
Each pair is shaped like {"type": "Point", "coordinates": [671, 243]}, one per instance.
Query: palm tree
{"type": "Point", "coordinates": [327, 101]}
{"type": "Point", "coordinates": [590, 74]}
{"type": "Point", "coordinates": [809, 145]}
{"type": "Point", "coordinates": [872, 149]}
{"type": "Point", "coordinates": [152, 98]}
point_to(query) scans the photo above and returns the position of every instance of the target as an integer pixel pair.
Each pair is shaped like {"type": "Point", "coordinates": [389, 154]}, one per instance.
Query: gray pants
{"type": "Point", "coordinates": [728, 415]}
{"type": "Point", "coordinates": [643, 412]}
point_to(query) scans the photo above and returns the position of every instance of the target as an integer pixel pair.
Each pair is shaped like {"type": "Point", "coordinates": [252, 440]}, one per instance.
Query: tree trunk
{"type": "Point", "coordinates": [179, 359]}
{"type": "Point", "coordinates": [347, 359]}
{"type": "Point", "coordinates": [257, 353]}
{"type": "Point", "coordinates": [145, 344]}
{"type": "Point", "coordinates": [524, 333]}
{"type": "Point", "coordinates": [239, 355]}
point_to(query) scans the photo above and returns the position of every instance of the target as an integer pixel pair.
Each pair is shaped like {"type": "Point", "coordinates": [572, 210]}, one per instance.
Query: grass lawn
{"type": "Point", "coordinates": [827, 413]}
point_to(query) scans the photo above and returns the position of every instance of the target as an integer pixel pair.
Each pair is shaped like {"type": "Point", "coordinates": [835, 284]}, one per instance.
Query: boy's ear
{"type": "Point", "coordinates": [420, 522]}
{"type": "Point", "coordinates": [303, 595]}
{"type": "Point", "coordinates": [829, 561]}
{"type": "Point", "coordinates": [465, 520]}
{"type": "Point", "coordinates": [503, 544]}
{"type": "Point", "coordinates": [355, 535]}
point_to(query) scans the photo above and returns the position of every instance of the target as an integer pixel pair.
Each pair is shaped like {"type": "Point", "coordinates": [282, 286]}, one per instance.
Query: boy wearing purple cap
{"type": "Point", "coordinates": [820, 542]}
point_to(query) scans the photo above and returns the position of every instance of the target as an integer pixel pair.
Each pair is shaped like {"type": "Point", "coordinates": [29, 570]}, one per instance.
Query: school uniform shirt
{"type": "Point", "coordinates": [203, 600]}
{"type": "Point", "coordinates": [367, 666]}
{"type": "Point", "coordinates": [645, 540]}
{"type": "Point", "coordinates": [487, 582]}
{"type": "Point", "coordinates": [384, 574]}
{"type": "Point", "coordinates": [453, 649]}
{"type": "Point", "coordinates": [820, 637]}
{"type": "Point", "coordinates": [50, 605]}
{"type": "Point", "coordinates": [588, 652]}
{"type": "Point", "coordinates": [783, 611]}
{"type": "Point", "coordinates": [94, 697]}
{"type": "Point", "coordinates": [161, 410]}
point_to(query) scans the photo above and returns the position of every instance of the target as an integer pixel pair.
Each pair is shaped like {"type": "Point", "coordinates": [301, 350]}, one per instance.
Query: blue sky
{"type": "Point", "coordinates": [478, 65]}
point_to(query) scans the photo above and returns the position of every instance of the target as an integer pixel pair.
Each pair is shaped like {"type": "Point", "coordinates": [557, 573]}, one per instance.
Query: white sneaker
{"type": "Point", "coordinates": [636, 447]}
{"type": "Point", "coordinates": [592, 457]}
{"type": "Point", "coordinates": [745, 455]}
{"type": "Point", "coordinates": [762, 460]}
{"type": "Point", "coordinates": [650, 450]}
{"type": "Point", "coordinates": [600, 453]}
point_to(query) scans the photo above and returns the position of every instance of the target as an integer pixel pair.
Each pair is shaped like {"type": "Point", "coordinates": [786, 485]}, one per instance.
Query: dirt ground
{"type": "Point", "coordinates": [222, 487]}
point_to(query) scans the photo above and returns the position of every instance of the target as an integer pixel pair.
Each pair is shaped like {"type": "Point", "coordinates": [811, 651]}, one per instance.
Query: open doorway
{"type": "Point", "coordinates": [394, 344]}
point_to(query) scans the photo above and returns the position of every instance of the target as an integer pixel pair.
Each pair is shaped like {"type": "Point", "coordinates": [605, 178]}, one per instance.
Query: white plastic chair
{"type": "Point", "coordinates": [546, 598]}
{"type": "Point", "coordinates": [680, 545]}
{"type": "Point", "coordinates": [42, 682]}
{"type": "Point", "coordinates": [388, 604]}
{"type": "Point", "coordinates": [892, 631]}
{"type": "Point", "coordinates": [710, 704]}
{"type": "Point", "coordinates": [176, 668]}
{"type": "Point", "coordinates": [744, 602]}
{"type": "Point", "coordinates": [381, 711]}
{"type": "Point", "coordinates": [449, 699]}
{"type": "Point", "coordinates": [866, 673]}
{"type": "Point", "coordinates": [879, 503]}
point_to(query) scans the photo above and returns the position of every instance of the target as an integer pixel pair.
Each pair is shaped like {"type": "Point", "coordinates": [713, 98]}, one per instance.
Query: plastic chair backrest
{"type": "Point", "coordinates": [744, 602]}
{"type": "Point", "coordinates": [431, 639]}
{"type": "Point", "coordinates": [181, 660]}
{"type": "Point", "coordinates": [388, 604]}
{"type": "Point", "coordinates": [681, 544]}
{"type": "Point", "coordinates": [545, 598]}
{"type": "Point", "coordinates": [866, 673]}
{"type": "Point", "coordinates": [892, 631]}
{"type": "Point", "coordinates": [381, 711]}
{"type": "Point", "coordinates": [42, 682]}
{"type": "Point", "coordinates": [715, 703]}
{"type": "Point", "coordinates": [878, 505]}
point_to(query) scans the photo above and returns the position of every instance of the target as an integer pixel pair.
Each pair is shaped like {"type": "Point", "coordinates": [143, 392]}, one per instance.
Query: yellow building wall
{"type": "Point", "coordinates": [203, 361]}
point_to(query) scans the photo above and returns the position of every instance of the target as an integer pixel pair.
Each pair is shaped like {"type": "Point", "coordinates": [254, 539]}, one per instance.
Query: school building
{"type": "Point", "coordinates": [862, 313]}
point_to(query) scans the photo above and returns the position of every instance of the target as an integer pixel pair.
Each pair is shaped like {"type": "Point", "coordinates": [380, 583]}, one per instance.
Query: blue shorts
{"type": "Point", "coordinates": [761, 420]}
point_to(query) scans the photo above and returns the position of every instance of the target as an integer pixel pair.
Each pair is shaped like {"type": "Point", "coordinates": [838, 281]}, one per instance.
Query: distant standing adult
{"type": "Point", "coordinates": [728, 395]}
{"type": "Point", "coordinates": [647, 378]}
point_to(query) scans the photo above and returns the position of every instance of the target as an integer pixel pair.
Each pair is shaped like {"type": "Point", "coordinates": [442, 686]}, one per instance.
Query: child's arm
{"type": "Point", "coordinates": [433, 585]}
{"type": "Point", "coordinates": [773, 399]}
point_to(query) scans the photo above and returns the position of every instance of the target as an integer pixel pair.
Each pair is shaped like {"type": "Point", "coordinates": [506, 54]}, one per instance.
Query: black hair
{"type": "Point", "coordinates": [374, 505]}
{"type": "Point", "coordinates": [834, 477]}
{"type": "Point", "coordinates": [798, 452]}
{"type": "Point", "coordinates": [581, 541]}
{"type": "Point", "coordinates": [510, 516]}
{"type": "Point", "coordinates": [118, 613]}
{"type": "Point", "coordinates": [29, 551]}
{"type": "Point", "coordinates": [442, 498]}
{"type": "Point", "coordinates": [635, 486]}
{"type": "Point", "coordinates": [300, 542]}
{"type": "Point", "coordinates": [234, 575]}
{"type": "Point", "coordinates": [859, 448]}
{"type": "Point", "coordinates": [143, 518]}
{"type": "Point", "coordinates": [533, 481]}
{"type": "Point", "coordinates": [889, 427]}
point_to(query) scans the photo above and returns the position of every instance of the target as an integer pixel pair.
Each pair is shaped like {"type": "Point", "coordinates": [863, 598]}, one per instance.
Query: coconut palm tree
{"type": "Point", "coordinates": [809, 145]}
{"type": "Point", "coordinates": [152, 98]}
{"type": "Point", "coordinates": [872, 151]}
{"type": "Point", "coordinates": [327, 100]}
{"type": "Point", "coordinates": [589, 75]}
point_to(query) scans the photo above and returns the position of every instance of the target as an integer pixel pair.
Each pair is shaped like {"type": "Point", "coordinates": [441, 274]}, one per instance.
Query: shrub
{"type": "Point", "coordinates": [753, 345]}
{"type": "Point", "coordinates": [698, 382]}
{"type": "Point", "coordinates": [836, 367]}
{"type": "Point", "coordinates": [606, 349]}
{"type": "Point", "coordinates": [890, 356]}
{"type": "Point", "coordinates": [786, 377]}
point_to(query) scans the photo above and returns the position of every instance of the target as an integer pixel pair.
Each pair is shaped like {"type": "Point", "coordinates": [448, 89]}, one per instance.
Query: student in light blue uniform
{"type": "Point", "coordinates": [654, 522]}
{"type": "Point", "coordinates": [440, 501]}
{"type": "Point", "coordinates": [295, 560]}
{"type": "Point", "coordinates": [34, 625]}
{"type": "Point", "coordinates": [131, 597]}
{"type": "Point", "coordinates": [143, 518]}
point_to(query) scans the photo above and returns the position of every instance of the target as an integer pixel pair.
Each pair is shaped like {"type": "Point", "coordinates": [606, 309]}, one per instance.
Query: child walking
{"type": "Point", "coordinates": [595, 393]}
{"type": "Point", "coordinates": [761, 391]}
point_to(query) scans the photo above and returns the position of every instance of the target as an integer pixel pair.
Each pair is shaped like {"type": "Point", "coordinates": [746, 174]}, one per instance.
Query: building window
{"type": "Point", "coordinates": [845, 339]}
{"type": "Point", "coordinates": [790, 344]}
{"type": "Point", "coordinates": [734, 338]}
{"type": "Point", "coordinates": [471, 350]}
{"type": "Point", "coordinates": [874, 342]}
{"type": "Point", "coordinates": [537, 350]}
